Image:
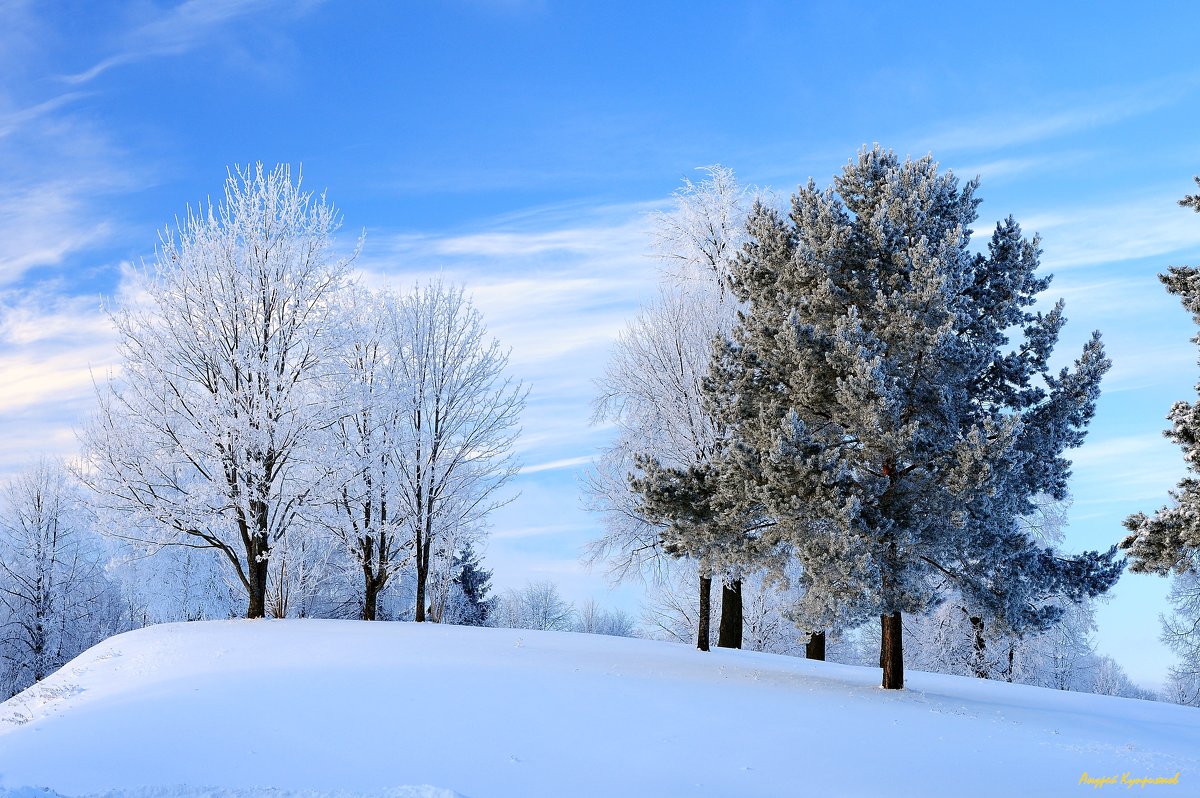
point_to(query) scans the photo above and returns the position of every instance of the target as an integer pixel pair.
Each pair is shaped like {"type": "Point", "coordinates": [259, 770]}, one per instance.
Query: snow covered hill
{"type": "Point", "coordinates": [304, 708]}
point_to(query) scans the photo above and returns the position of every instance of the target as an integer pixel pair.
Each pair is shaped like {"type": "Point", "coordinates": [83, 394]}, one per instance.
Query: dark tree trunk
{"type": "Point", "coordinates": [39, 650]}
{"type": "Point", "coordinates": [257, 588]}
{"type": "Point", "coordinates": [374, 563]}
{"type": "Point", "coordinates": [258, 549]}
{"type": "Point", "coordinates": [883, 625]}
{"type": "Point", "coordinates": [419, 615]}
{"type": "Point", "coordinates": [730, 634]}
{"type": "Point", "coordinates": [370, 597]}
{"type": "Point", "coordinates": [979, 654]}
{"type": "Point", "coordinates": [704, 626]}
{"type": "Point", "coordinates": [892, 652]}
{"type": "Point", "coordinates": [815, 647]}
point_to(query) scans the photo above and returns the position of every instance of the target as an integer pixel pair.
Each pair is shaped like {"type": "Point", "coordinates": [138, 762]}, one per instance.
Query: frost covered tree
{"type": "Point", "coordinates": [1181, 633]}
{"type": "Point", "coordinates": [55, 598]}
{"type": "Point", "coordinates": [459, 420]}
{"type": "Point", "coordinates": [594, 619]}
{"type": "Point", "coordinates": [1169, 540]}
{"type": "Point", "coordinates": [207, 435]}
{"type": "Point", "coordinates": [172, 583]}
{"type": "Point", "coordinates": [368, 440]}
{"type": "Point", "coordinates": [652, 391]}
{"type": "Point", "coordinates": [876, 415]}
{"type": "Point", "coordinates": [669, 612]}
{"type": "Point", "coordinates": [539, 605]}
{"type": "Point", "coordinates": [970, 637]}
{"type": "Point", "coordinates": [1182, 688]}
{"type": "Point", "coordinates": [301, 580]}
{"type": "Point", "coordinates": [473, 583]}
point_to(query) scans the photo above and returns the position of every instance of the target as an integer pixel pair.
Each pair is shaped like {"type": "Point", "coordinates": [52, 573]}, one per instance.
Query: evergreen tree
{"type": "Point", "coordinates": [1169, 540]}
{"type": "Point", "coordinates": [880, 429]}
{"type": "Point", "coordinates": [475, 582]}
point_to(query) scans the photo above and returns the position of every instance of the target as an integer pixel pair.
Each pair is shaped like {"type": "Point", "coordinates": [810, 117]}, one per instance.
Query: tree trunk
{"type": "Point", "coordinates": [891, 652]}
{"type": "Point", "coordinates": [419, 615]}
{"type": "Point", "coordinates": [257, 588]}
{"type": "Point", "coordinates": [370, 597]}
{"type": "Point", "coordinates": [703, 630]}
{"type": "Point", "coordinates": [815, 647]}
{"type": "Point", "coordinates": [730, 634]}
{"type": "Point", "coordinates": [979, 655]}
{"type": "Point", "coordinates": [883, 625]}
{"type": "Point", "coordinates": [258, 550]}
{"type": "Point", "coordinates": [375, 574]}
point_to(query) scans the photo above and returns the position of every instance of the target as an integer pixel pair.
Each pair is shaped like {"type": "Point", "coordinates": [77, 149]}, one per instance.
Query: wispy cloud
{"type": "Point", "coordinates": [1125, 470]}
{"type": "Point", "coordinates": [1070, 116]}
{"type": "Point", "coordinates": [12, 121]}
{"type": "Point", "coordinates": [998, 169]}
{"type": "Point", "coordinates": [1149, 225]}
{"type": "Point", "coordinates": [41, 224]}
{"type": "Point", "coordinates": [184, 28]}
{"type": "Point", "coordinates": [556, 296]}
{"type": "Point", "coordinates": [555, 465]}
{"type": "Point", "coordinates": [50, 346]}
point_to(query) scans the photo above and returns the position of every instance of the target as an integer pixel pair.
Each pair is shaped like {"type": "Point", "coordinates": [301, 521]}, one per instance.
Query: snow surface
{"type": "Point", "coordinates": [300, 709]}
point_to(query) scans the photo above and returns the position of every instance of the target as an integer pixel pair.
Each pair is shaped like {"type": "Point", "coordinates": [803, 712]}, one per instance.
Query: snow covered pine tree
{"type": "Point", "coordinates": [1170, 539]}
{"type": "Point", "coordinates": [876, 423]}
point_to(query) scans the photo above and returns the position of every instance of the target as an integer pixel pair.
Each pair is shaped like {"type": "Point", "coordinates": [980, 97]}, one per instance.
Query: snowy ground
{"type": "Point", "coordinates": [295, 709]}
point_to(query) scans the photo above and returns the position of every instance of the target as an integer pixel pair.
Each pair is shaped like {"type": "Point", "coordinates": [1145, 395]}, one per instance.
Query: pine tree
{"type": "Point", "coordinates": [475, 581]}
{"type": "Point", "coordinates": [1169, 540]}
{"type": "Point", "coordinates": [880, 429]}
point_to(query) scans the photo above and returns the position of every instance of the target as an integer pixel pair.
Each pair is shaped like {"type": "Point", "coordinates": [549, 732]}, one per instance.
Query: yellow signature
{"type": "Point", "coordinates": [1127, 779]}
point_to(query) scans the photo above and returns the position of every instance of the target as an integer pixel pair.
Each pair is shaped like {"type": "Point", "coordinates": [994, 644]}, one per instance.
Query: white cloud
{"type": "Point", "coordinates": [1150, 225]}
{"type": "Point", "coordinates": [554, 465]}
{"type": "Point", "coordinates": [1124, 470]}
{"type": "Point", "coordinates": [12, 121]}
{"type": "Point", "coordinates": [184, 28]}
{"type": "Point", "coordinates": [50, 346]}
{"type": "Point", "coordinates": [1069, 116]}
{"type": "Point", "coordinates": [554, 287]}
{"type": "Point", "coordinates": [42, 224]}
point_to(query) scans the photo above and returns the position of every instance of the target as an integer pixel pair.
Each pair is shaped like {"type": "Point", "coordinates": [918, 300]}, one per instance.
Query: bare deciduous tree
{"type": "Point", "coordinates": [55, 600]}
{"type": "Point", "coordinates": [459, 421]}
{"type": "Point", "coordinates": [204, 438]}
{"type": "Point", "coordinates": [652, 387]}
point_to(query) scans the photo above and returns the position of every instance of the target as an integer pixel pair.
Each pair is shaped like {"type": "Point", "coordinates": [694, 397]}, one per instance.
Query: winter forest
{"type": "Point", "coordinates": [842, 430]}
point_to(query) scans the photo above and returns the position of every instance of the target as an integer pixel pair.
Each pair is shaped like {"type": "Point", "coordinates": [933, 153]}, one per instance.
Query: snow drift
{"type": "Point", "coordinates": [293, 709]}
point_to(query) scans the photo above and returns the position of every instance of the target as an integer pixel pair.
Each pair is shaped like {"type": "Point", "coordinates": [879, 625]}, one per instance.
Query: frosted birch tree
{"type": "Point", "coordinates": [366, 443]}
{"type": "Point", "coordinates": [458, 419]}
{"type": "Point", "coordinates": [652, 390]}
{"type": "Point", "coordinates": [1181, 632]}
{"type": "Point", "coordinates": [55, 599]}
{"type": "Point", "coordinates": [208, 433]}
{"type": "Point", "coordinates": [538, 606]}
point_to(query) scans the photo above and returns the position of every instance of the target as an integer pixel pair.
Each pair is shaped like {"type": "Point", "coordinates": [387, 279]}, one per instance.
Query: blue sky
{"type": "Point", "coordinates": [518, 146]}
